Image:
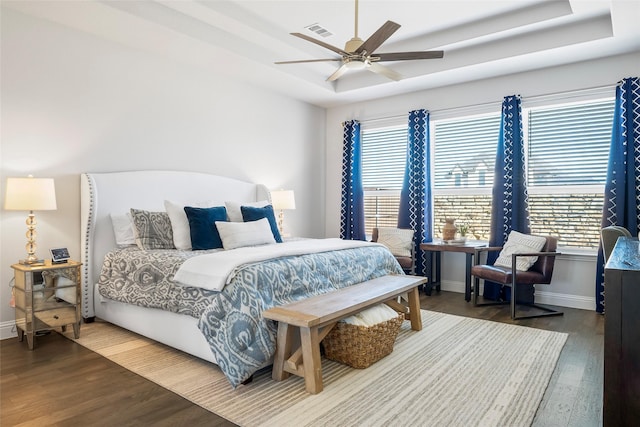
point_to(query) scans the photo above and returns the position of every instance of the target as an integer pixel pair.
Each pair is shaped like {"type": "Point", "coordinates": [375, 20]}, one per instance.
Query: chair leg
{"type": "Point", "coordinates": [547, 311]}
{"type": "Point", "coordinates": [476, 289]}
{"type": "Point", "coordinates": [513, 295]}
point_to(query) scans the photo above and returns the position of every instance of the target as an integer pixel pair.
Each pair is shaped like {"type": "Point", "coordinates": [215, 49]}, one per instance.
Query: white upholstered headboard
{"type": "Point", "coordinates": [117, 192]}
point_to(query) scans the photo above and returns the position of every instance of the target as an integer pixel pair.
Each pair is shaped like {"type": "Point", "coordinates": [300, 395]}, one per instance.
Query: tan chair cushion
{"type": "Point", "coordinates": [520, 243]}
{"type": "Point", "coordinates": [398, 240]}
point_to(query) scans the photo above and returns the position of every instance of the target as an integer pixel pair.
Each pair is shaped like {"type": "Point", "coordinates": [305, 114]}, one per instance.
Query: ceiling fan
{"type": "Point", "coordinates": [358, 54]}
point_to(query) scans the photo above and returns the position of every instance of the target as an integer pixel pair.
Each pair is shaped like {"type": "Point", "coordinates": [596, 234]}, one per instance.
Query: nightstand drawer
{"type": "Point", "coordinates": [57, 316]}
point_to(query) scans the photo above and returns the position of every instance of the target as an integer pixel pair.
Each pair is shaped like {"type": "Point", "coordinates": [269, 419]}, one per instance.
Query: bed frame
{"type": "Point", "coordinates": [117, 192]}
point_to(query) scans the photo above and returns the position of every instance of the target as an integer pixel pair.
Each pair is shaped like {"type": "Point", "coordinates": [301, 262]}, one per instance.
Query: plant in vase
{"type": "Point", "coordinates": [463, 229]}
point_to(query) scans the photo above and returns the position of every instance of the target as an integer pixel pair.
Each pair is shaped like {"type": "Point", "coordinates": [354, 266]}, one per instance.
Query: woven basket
{"type": "Point", "coordinates": [361, 346]}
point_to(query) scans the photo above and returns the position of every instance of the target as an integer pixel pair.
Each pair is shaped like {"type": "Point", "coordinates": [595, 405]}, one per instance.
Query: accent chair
{"type": "Point", "coordinates": [609, 236]}
{"type": "Point", "coordinates": [539, 273]}
{"type": "Point", "coordinates": [400, 245]}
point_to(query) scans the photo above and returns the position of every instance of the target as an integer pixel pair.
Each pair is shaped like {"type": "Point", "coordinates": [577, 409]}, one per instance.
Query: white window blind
{"type": "Point", "coordinates": [465, 152]}
{"type": "Point", "coordinates": [384, 151]}
{"type": "Point", "coordinates": [567, 154]}
{"type": "Point", "coordinates": [384, 154]}
{"type": "Point", "coordinates": [569, 145]}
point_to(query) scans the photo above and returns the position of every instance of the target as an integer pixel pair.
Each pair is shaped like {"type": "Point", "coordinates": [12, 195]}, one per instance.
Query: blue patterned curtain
{"type": "Point", "coordinates": [622, 189]}
{"type": "Point", "coordinates": [415, 198]}
{"type": "Point", "coordinates": [510, 203]}
{"type": "Point", "coordinates": [352, 203]}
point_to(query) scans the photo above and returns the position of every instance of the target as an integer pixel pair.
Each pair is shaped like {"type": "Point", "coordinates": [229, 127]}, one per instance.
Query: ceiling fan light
{"type": "Point", "coordinates": [355, 64]}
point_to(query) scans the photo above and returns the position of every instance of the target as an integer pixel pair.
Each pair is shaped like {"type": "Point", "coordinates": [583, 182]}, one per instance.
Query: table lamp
{"type": "Point", "coordinates": [30, 194]}
{"type": "Point", "coordinates": [281, 200]}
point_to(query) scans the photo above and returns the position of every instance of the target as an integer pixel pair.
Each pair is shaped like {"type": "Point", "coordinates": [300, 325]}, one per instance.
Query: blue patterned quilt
{"type": "Point", "coordinates": [231, 320]}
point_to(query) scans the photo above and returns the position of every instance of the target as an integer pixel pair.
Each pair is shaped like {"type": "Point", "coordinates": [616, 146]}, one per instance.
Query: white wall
{"type": "Point", "coordinates": [72, 102]}
{"type": "Point", "coordinates": [574, 276]}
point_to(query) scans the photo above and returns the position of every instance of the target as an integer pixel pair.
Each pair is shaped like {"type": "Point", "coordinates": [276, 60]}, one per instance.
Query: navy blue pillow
{"type": "Point", "coordinates": [202, 226]}
{"type": "Point", "coordinates": [250, 213]}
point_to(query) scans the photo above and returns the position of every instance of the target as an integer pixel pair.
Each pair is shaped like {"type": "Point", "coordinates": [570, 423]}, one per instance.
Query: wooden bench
{"type": "Point", "coordinates": [315, 316]}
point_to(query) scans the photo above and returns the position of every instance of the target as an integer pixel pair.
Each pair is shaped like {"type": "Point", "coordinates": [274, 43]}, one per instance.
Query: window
{"type": "Point", "coordinates": [567, 154]}
{"type": "Point", "coordinates": [567, 149]}
{"type": "Point", "coordinates": [464, 158]}
{"type": "Point", "coordinates": [384, 151]}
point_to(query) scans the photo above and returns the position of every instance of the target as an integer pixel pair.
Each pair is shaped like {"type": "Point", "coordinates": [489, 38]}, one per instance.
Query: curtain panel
{"type": "Point", "coordinates": [415, 211]}
{"type": "Point", "coordinates": [622, 188]}
{"type": "Point", "coordinates": [510, 200]}
{"type": "Point", "coordinates": [352, 225]}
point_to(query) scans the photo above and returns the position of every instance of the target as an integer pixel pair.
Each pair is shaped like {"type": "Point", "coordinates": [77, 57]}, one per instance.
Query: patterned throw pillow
{"type": "Point", "coordinates": [520, 243]}
{"type": "Point", "coordinates": [152, 229]}
{"type": "Point", "coordinates": [398, 240]}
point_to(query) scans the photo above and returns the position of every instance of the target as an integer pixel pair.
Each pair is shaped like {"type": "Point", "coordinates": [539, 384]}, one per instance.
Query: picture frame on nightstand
{"type": "Point", "coordinates": [59, 255]}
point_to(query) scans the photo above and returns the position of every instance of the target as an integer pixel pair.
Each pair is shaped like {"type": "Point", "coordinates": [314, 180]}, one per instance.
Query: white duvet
{"type": "Point", "coordinates": [214, 270]}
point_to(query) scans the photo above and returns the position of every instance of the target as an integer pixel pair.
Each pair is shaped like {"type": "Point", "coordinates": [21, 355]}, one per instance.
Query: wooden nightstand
{"type": "Point", "coordinates": [47, 296]}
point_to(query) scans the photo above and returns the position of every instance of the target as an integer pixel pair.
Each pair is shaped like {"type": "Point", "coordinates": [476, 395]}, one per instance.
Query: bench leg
{"type": "Point", "coordinates": [283, 351]}
{"type": "Point", "coordinates": [414, 310]}
{"type": "Point", "coordinates": [311, 359]}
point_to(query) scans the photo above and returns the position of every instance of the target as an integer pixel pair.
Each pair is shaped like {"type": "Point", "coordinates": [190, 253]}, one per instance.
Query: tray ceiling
{"type": "Point", "coordinates": [481, 39]}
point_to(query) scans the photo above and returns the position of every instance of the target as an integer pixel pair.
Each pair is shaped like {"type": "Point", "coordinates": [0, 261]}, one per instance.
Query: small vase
{"type": "Point", "coordinates": [449, 230]}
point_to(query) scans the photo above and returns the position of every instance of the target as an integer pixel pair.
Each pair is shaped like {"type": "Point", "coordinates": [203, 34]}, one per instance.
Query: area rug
{"type": "Point", "coordinates": [457, 371]}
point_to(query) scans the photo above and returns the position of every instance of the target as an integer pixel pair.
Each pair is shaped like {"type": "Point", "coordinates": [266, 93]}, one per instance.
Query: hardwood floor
{"type": "Point", "coordinates": [62, 383]}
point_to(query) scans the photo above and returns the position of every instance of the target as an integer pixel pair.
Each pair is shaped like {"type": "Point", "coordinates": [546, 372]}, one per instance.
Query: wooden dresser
{"type": "Point", "coordinates": [622, 335]}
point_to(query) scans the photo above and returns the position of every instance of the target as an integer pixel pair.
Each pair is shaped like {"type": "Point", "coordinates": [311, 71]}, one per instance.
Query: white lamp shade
{"type": "Point", "coordinates": [30, 194]}
{"type": "Point", "coordinates": [283, 199]}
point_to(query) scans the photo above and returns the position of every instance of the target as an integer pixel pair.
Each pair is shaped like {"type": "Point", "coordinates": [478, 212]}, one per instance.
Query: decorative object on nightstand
{"type": "Point", "coordinates": [46, 297]}
{"type": "Point", "coordinates": [30, 194]}
{"type": "Point", "coordinates": [281, 200]}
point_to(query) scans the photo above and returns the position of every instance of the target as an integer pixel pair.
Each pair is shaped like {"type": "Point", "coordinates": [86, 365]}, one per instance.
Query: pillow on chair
{"type": "Point", "coordinates": [520, 243]}
{"type": "Point", "coordinates": [398, 240]}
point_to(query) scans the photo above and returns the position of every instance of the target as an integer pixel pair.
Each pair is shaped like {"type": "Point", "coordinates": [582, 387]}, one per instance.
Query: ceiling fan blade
{"type": "Point", "coordinates": [340, 71]}
{"type": "Point", "coordinates": [320, 43]}
{"type": "Point", "coordinates": [379, 37]}
{"type": "Point", "coordinates": [407, 56]}
{"type": "Point", "coordinates": [387, 72]}
{"type": "Point", "coordinates": [308, 60]}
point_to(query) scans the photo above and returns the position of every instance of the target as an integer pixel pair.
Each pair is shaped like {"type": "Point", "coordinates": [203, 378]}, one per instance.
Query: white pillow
{"type": "Point", "coordinates": [123, 229]}
{"type": "Point", "coordinates": [235, 213]}
{"type": "Point", "coordinates": [520, 243]}
{"type": "Point", "coordinates": [240, 234]}
{"type": "Point", "coordinates": [398, 240]}
{"type": "Point", "coordinates": [180, 223]}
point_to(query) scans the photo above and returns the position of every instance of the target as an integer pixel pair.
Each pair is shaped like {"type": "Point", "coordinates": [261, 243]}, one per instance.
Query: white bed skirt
{"type": "Point", "coordinates": [175, 330]}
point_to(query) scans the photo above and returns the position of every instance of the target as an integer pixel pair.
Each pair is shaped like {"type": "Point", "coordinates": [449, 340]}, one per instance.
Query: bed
{"type": "Point", "coordinates": [106, 194]}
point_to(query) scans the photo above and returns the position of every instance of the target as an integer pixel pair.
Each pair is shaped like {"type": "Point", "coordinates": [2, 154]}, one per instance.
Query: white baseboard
{"type": "Point", "coordinates": [566, 300]}
{"type": "Point", "coordinates": [451, 286]}
{"type": "Point", "coordinates": [8, 330]}
{"type": "Point", "coordinates": [542, 297]}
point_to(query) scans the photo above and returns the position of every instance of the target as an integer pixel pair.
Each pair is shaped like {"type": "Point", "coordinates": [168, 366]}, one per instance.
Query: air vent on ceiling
{"type": "Point", "coordinates": [319, 30]}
